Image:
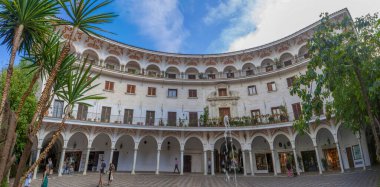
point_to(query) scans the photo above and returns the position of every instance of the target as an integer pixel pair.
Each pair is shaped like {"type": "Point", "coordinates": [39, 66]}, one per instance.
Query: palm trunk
{"type": "Point", "coordinates": [10, 120]}
{"type": "Point", "coordinates": [373, 120]}
{"type": "Point", "coordinates": [15, 48]}
{"type": "Point", "coordinates": [28, 91]}
{"type": "Point", "coordinates": [28, 147]}
{"type": "Point", "coordinates": [55, 137]}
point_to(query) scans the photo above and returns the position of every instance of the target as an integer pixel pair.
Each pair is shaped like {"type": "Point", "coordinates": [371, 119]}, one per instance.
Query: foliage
{"type": "Point", "coordinates": [204, 118]}
{"type": "Point", "coordinates": [20, 82]}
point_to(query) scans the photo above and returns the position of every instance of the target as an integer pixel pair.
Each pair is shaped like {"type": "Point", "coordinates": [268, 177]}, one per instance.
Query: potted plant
{"type": "Point", "coordinates": [271, 118]}
{"type": "Point", "coordinates": [284, 117]}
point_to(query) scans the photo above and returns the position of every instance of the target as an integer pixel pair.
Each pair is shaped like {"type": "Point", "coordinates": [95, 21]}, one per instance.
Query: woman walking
{"type": "Point", "coordinates": [45, 180]}
{"type": "Point", "coordinates": [110, 175]}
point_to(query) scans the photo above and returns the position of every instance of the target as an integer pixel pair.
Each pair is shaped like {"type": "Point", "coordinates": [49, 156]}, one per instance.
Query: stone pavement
{"type": "Point", "coordinates": [357, 178]}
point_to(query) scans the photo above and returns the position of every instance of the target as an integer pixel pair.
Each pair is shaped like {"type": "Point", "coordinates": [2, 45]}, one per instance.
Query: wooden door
{"type": "Point", "coordinates": [128, 116]}
{"type": "Point", "coordinates": [349, 157]}
{"type": "Point", "coordinates": [187, 163]}
{"type": "Point", "coordinates": [193, 119]}
{"type": "Point", "coordinates": [115, 159]}
{"type": "Point", "coordinates": [223, 111]}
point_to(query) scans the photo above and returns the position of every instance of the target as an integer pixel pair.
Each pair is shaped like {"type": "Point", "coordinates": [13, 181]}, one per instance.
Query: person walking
{"type": "Point", "coordinates": [176, 165]}
{"type": "Point", "coordinates": [50, 162]}
{"type": "Point", "coordinates": [101, 172]}
{"type": "Point", "coordinates": [110, 174]}
{"type": "Point", "coordinates": [45, 179]}
{"type": "Point", "coordinates": [28, 179]}
{"type": "Point", "coordinates": [289, 168]}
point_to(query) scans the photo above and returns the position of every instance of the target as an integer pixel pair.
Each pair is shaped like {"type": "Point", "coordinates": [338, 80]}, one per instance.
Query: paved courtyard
{"type": "Point", "coordinates": [357, 178]}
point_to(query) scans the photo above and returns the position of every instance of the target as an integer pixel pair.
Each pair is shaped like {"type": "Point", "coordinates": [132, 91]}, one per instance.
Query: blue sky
{"type": "Point", "coordinates": [215, 26]}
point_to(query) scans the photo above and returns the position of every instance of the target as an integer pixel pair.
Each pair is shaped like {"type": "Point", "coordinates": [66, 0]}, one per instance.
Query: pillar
{"type": "Point", "coordinates": [212, 163]}
{"type": "Point", "coordinates": [86, 162]}
{"type": "Point", "coordinates": [340, 157]}
{"type": "Point", "coordinates": [250, 162]}
{"type": "Point", "coordinates": [274, 163]}
{"type": "Point", "coordinates": [244, 164]}
{"type": "Point", "coordinates": [158, 161]}
{"type": "Point", "coordinates": [134, 161]}
{"type": "Point", "coordinates": [111, 154]}
{"type": "Point", "coordinates": [62, 159]}
{"type": "Point", "coordinates": [361, 153]}
{"type": "Point", "coordinates": [318, 159]}
{"type": "Point", "coordinates": [296, 160]}
{"type": "Point", "coordinates": [205, 162]}
{"type": "Point", "coordinates": [36, 169]}
{"type": "Point", "coordinates": [182, 162]}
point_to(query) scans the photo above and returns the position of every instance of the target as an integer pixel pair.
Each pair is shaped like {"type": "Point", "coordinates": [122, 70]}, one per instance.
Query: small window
{"type": "Point", "coordinates": [58, 108]}
{"type": "Point", "coordinates": [271, 87]}
{"type": "Point", "coordinates": [150, 118]}
{"type": "Point", "coordinates": [151, 91]}
{"type": "Point", "coordinates": [131, 89]}
{"type": "Point", "coordinates": [106, 114]}
{"type": "Point", "coordinates": [296, 110]}
{"type": "Point", "coordinates": [171, 76]}
{"type": "Point", "coordinates": [82, 112]}
{"type": "Point", "coordinates": [252, 90]}
{"type": "Point", "coordinates": [191, 76]}
{"type": "Point", "coordinates": [172, 118]}
{"type": "Point", "coordinates": [172, 92]}
{"type": "Point", "coordinates": [192, 93]}
{"type": "Point", "coordinates": [211, 76]}
{"type": "Point", "coordinates": [222, 91]}
{"type": "Point", "coordinates": [255, 113]}
{"type": "Point", "coordinates": [290, 81]}
{"type": "Point", "coordinates": [109, 86]}
{"type": "Point", "coordinates": [269, 68]}
{"type": "Point", "coordinates": [276, 110]}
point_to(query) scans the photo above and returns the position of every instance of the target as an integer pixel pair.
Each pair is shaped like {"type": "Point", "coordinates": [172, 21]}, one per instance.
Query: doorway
{"type": "Point", "coordinates": [223, 111]}
{"type": "Point", "coordinates": [187, 163]}
{"type": "Point", "coordinates": [349, 157]}
{"type": "Point", "coordinates": [309, 160]}
{"type": "Point", "coordinates": [332, 159]}
{"type": "Point", "coordinates": [115, 159]}
{"type": "Point", "coordinates": [269, 162]}
{"type": "Point", "coordinates": [285, 157]}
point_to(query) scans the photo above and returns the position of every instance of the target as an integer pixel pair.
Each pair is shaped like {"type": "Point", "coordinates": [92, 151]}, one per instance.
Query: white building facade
{"type": "Point", "coordinates": [156, 103]}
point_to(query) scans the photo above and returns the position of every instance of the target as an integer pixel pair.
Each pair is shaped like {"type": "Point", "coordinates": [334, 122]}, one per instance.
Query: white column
{"type": "Point", "coordinates": [250, 162]}
{"type": "Point", "coordinates": [296, 160]}
{"type": "Point", "coordinates": [86, 162]}
{"type": "Point", "coordinates": [158, 161]}
{"type": "Point", "coordinates": [62, 159]}
{"type": "Point", "coordinates": [244, 164]}
{"type": "Point", "coordinates": [111, 154]}
{"type": "Point", "coordinates": [274, 163]}
{"type": "Point", "coordinates": [361, 153]}
{"type": "Point", "coordinates": [340, 157]}
{"type": "Point", "coordinates": [318, 159]}
{"type": "Point", "coordinates": [205, 162]}
{"type": "Point", "coordinates": [212, 163]}
{"type": "Point", "coordinates": [134, 162]}
{"type": "Point", "coordinates": [36, 169]}
{"type": "Point", "coordinates": [182, 162]}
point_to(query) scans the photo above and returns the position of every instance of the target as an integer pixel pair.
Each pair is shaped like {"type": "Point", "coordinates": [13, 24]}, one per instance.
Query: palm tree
{"type": "Point", "coordinates": [22, 23]}
{"type": "Point", "coordinates": [77, 84]}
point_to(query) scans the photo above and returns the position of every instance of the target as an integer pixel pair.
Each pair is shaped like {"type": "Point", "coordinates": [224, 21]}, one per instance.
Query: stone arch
{"type": "Point", "coordinates": [170, 150]}
{"type": "Point", "coordinates": [267, 64]}
{"type": "Point", "coordinates": [133, 67]}
{"type": "Point", "coordinates": [229, 69]}
{"type": "Point", "coordinates": [172, 72]}
{"type": "Point", "coordinates": [193, 136]}
{"type": "Point", "coordinates": [248, 68]}
{"type": "Point", "coordinates": [75, 138]}
{"type": "Point", "coordinates": [286, 59]}
{"type": "Point", "coordinates": [303, 52]}
{"type": "Point", "coordinates": [282, 141]}
{"type": "Point", "coordinates": [125, 145]}
{"type": "Point", "coordinates": [153, 70]}
{"type": "Point", "coordinates": [192, 71]}
{"type": "Point", "coordinates": [306, 151]}
{"type": "Point", "coordinates": [55, 151]}
{"type": "Point", "coordinates": [147, 154]}
{"type": "Point", "coordinates": [112, 62]}
{"type": "Point", "coordinates": [91, 55]}
{"type": "Point", "coordinates": [193, 147]}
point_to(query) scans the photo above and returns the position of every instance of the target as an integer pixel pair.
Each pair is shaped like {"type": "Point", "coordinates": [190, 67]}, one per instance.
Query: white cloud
{"type": "Point", "coordinates": [269, 20]}
{"type": "Point", "coordinates": [160, 20]}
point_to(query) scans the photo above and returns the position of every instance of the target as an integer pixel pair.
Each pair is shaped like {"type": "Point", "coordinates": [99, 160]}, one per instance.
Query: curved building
{"type": "Point", "coordinates": [156, 103]}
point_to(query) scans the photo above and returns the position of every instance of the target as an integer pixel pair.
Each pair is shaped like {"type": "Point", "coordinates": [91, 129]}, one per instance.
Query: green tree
{"type": "Point", "coordinates": [343, 74]}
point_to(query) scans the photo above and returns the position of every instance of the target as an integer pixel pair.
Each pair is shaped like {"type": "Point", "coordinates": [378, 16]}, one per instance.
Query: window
{"type": "Point", "coordinates": [211, 76]}
{"type": "Point", "coordinates": [82, 112]}
{"type": "Point", "coordinates": [151, 91]}
{"type": "Point", "coordinates": [128, 116]}
{"type": "Point", "coordinates": [109, 86]}
{"type": "Point", "coordinates": [288, 63]}
{"type": "Point", "coordinates": [191, 76]}
{"type": "Point", "coordinates": [149, 118]}
{"type": "Point", "coordinates": [131, 89]}
{"type": "Point", "coordinates": [269, 68]}
{"type": "Point", "coordinates": [172, 118]}
{"type": "Point", "coordinates": [296, 110]}
{"type": "Point", "coordinates": [171, 76]}
{"type": "Point", "coordinates": [193, 93]}
{"type": "Point", "coordinates": [252, 90]}
{"type": "Point", "coordinates": [58, 108]}
{"type": "Point", "coordinates": [172, 92]}
{"type": "Point", "coordinates": [290, 81]}
{"type": "Point", "coordinates": [222, 91]}
{"type": "Point", "coordinates": [276, 111]}
{"type": "Point", "coordinates": [230, 75]}
{"type": "Point", "coordinates": [106, 114]}
{"type": "Point", "coordinates": [255, 113]}
{"type": "Point", "coordinates": [271, 86]}
{"type": "Point", "coordinates": [249, 73]}
{"type": "Point", "coordinates": [193, 119]}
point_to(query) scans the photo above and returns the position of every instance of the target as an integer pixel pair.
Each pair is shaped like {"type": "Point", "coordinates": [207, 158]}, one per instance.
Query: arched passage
{"type": "Point", "coordinates": [91, 56]}
{"type": "Point", "coordinates": [172, 72]}
{"type": "Point", "coordinates": [286, 59]}
{"type": "Point", "coordinates": [147, 154]}
{"type": "Point", "coordinates": [327, 149]}
{"type": "Point", "coordinates": [306, 153]}
{"type": "Point", "coordinates": [267, 65]}
{"type": "Point", "coordinates": [100, 150]}
{"type": "Point", "coordinates": [123, 154]}
{"type": "Point", "coordinates": [153, 70]}
{"type": "Point", "coordinates": [262, 156]}
{"type": "Point", "coordinates": [303, 52]}
{"type": "Point", "coordinates": [191, 73]}
{"type": "Point", "coordinates": [55, 152]}
{"type": "Point", "coordinates": [248, 69]}
{"type": "Point", "coordinates": [75, 151]}
{"type": "Point", "coordinates": [211, 72]}
{"type": "Point", "coordinates": [112, 63]}
{"type": "Point", "coordinates": [283, 148]}
{"type": "Point", "coordinates": [132, 67]}
{"type": "Point", "coordinates": [230, 72]}
{"type": "Point", "coordinates": [229, 155]}
{"type": "Point", "coordinates": [170, 150]}
{"type": "Point", "coordinates": [193, 159]}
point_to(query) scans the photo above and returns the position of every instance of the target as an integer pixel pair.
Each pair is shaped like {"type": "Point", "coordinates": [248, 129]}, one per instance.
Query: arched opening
{"type": "Point", "coordinates": [193, 156]}
{"type": "Point", "coordinates": [132, 67]}
{"type": "Point", "coordinates": [285, 157]}
{"type": "Point", "coordinates": [262, 156]}
{"type": "Point", "coordinates": [211, 72]}
{"type": "Point", "coordinates": [191, 73]}
{"type": "Point", "coordinates": [286, 59]}
{"type": "Point", "coordinates": [92, 56]}
{"type": "Point", "coordinates": [230, 72]}
{"type": "Point", "coordinates": [228, 155]}
{"type": "Point", "coordinates": [147, 154]}
{"type": "Point", "coordinates": [76, 146]}
{"type": "Point", "coordinates": [153, 70]}
{"type": "Point", "coordinates": [100, 151]}
{"type": "Point", "coordinates": [267, 65]}
{"type": "Point", "coordinates": [123, 154]}
{"type": "Point", "coordinates": [172, 72]}
{"type": "Point", "coordinates": [170, 150]}
{"type": "Point", "coordinates": [353, 153]}
{"type": "Point", "coordinates": [303, 53]}
{"type": "Point", "coordinates": [112, 63]}
{"type": "Point", "coordinates": [54, 154]}
{"type": "Point", "coordinates": [328, 151]}
{"type": "Point", "coordinates": [306, 155]}
{"type": "Point", "coordinates": [248, 69]}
